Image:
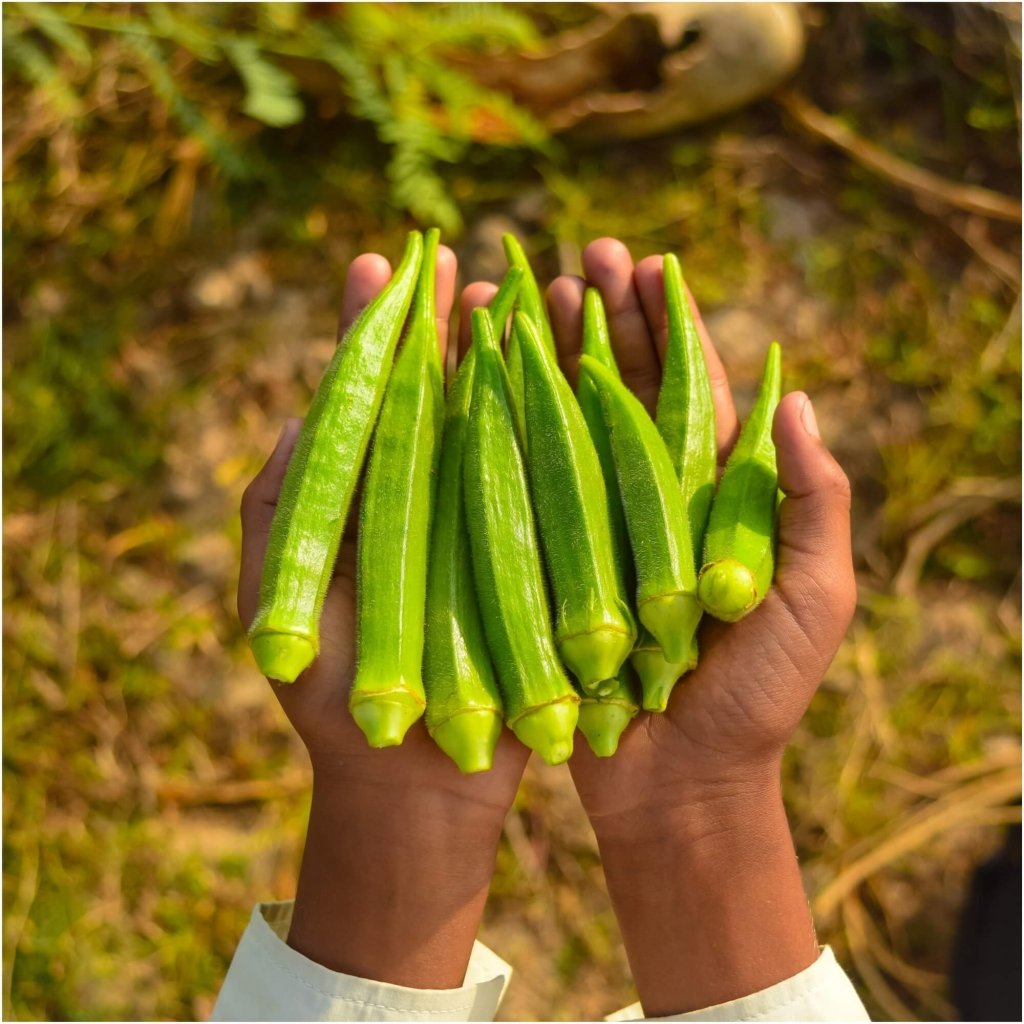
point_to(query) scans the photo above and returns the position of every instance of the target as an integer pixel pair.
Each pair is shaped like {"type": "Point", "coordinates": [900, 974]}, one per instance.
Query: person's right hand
{"type": "Point", "coordinates": [704, 775]}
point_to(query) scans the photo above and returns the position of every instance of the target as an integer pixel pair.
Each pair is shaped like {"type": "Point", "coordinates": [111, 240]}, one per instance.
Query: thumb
{"type": "Point", "coordinates": [814, 570]}
{"type": "Point", "coordinates": [258, 504]}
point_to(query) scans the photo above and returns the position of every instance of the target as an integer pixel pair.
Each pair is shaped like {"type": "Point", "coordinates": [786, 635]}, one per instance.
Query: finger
{"type": "Point", "coordinates": [444, 295]}
{"type": "Point", "coordinates": [367, 274]}
{"type": "Point", "coordinates": [258, 503]}
{"type": "Point", "coordinates": [650, 283]}
{"type": "Point", "coordinates": [479, 293]}
{"type": "Point", "coordinates": [565, 309]}
{"type": "Point", "coordinates": [609, 268]}
{"type": "Point", "coordinates": [814, 573]}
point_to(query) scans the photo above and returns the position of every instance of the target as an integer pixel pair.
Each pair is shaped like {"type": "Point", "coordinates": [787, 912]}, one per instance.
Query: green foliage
{"type": "Point", "coordinates": [391, 64]}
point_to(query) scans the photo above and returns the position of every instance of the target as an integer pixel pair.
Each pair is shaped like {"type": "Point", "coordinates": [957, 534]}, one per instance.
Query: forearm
{"type": "Point", "coordinates": [393, 884]}
{"type": "Point", "coordinates": [709, 899]}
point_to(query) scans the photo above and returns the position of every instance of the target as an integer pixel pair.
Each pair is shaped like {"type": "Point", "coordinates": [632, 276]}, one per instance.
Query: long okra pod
{"type": "Point", "coordinates": [686, 407]}
{"type": "Point", "coordinates": [739, 545]}
{"type": "Point", "coordinates": [594, 628]}
{"type": "Point", "coordinates": [321, 477]}
{"type": "Point", "coordinates": [540, 703]}
{"type": "Point", "coordinates": [658, 530]}
{"type": "Point", "coordinates": [387, 694]}
{"type": "Point", "coordinates": [464, 708]}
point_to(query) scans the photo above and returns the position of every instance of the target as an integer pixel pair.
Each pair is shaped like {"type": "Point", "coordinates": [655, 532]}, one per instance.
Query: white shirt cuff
{"type": "Point", "coordinates": [821, 992]}
{"type": "Point", "coordinates": [268, 980]}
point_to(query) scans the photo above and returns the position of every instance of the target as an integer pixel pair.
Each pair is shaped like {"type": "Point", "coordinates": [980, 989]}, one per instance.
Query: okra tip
{"type": "Point", "coordinates": [672, 619]}
{"type": "Point", "coordinates": [384, 721]}
{"type": "Point", "coordinates": [727, 589]}
{"type": "Point", "coordinates": [282, 656]}
{"type": "Point", "coordinates": [595, 657]}
{"type": "Point", "coordinates": [603, 725]}
{"type": "Point", "coordinates": [469, 739]}
{"type": "Point", "coordinates": [548, 730]}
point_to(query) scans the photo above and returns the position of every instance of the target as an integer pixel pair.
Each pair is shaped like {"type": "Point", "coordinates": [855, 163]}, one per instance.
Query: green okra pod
{"type": "Point", "coordinates": [686, 407]}
{"type": "Point", "coordinates": [659, 533]}
{"type": "Point", "coordinates": [658, 675]}
{"type": "Point", "coordinates": [603, 719]}
{"type": "Point", "coordinates": [464, 708]}
{"type": "Point", "coordinates": [387, 694]}
{"type": "Point", "coordinates": [597, 343]}
{"type": "Point", "coordinates": [739, 545]}
{"type": "Point", "coordinates": [594, 628]}
{"type": "Point", "coordinates": [540, 703]}
{"type": "Point", "coordinates": [504, 300]}
{"type": "Point", "coordinates": [530, 301]}
{"type": "Point", "coordinates": [321, 478]}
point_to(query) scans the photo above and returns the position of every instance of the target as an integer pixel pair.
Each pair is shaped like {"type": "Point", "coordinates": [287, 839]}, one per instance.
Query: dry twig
{"type": "Point", "coordinates": [924, 184]}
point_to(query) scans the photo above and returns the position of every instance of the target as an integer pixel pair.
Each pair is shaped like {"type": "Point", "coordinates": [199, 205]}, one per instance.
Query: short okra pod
{"type": "Point", "coordinates": [659, 533]}
{"type": "Point", "coordinates": [500, 307]}
{"type": "Point", "coordinates": [658, 675]}
{"type": "Point", "coordinates": [530, 301]}
{"type": "Point", "coordinates": [387, 694]}
{"type": "Point", "coordinates": [739, 545]}
{"type": "Point", "coordinates": [321, 478]}
{"type": "Point", "coordinates": [604, 719]}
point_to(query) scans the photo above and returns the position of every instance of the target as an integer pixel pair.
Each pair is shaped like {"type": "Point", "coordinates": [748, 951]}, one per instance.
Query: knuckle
{"type": "Point", "coordinates": [839, 485]}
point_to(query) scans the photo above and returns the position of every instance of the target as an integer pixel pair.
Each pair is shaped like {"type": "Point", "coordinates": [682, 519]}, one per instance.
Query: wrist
{"type": "Point", "coordinates": [709, 898]}
{"type": "Point", "coordinates": [687, 808]}
{"type": "Point", "coordinates": [393, 881]}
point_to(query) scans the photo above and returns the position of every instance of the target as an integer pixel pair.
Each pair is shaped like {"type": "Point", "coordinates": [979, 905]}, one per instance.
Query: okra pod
{"type": "Point", "coordinates": [540, 703]}
{"type": "Point", "coordinates": [658, 675]}
{"type": "Point", "coordinates": [597, 343]}
{"type": "Point", "coordinates": [739, 545]}
{"type": "Point", "coordinates": [464, 708]}
{"type": "Point", "coordinates": [531, 302]}
{"type": "Point", "coordinates": [594, 628]}
{"type": "Point", "coordinates": [387, 694]}
{"type": "Point", "coordinates": [603, 719]}
{"type": "Point", "coordinates": [686, 407]}
{"type": "Point", "coordinates": [307, 526]}
{"type": "Point", "coordinates": [659, 533]}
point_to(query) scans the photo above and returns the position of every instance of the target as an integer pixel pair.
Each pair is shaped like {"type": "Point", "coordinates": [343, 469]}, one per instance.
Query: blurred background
{"type": "Point", "coordinates": [184, 187]}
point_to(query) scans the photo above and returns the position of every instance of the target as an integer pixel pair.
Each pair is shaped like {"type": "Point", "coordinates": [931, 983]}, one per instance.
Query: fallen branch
{"type": "Point", "coordinates": [972, 198]}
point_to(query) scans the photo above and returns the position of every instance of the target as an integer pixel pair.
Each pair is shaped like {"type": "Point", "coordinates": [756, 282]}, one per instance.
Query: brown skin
{"type": "Point", "coordinates": [688, 814]}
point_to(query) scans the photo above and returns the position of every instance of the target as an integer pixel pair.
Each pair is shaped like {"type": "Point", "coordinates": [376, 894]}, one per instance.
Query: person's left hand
{"type": "Point", "coordinates": [401, 844]}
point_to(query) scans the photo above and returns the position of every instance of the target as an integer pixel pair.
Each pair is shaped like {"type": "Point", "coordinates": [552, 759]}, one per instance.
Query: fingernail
{"type": "Point", "coordinates": [809, 420]}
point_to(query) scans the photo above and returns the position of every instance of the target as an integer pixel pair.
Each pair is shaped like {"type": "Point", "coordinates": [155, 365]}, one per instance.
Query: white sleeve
{"type": "Point", "coordinates": [268, 980]}
{"type": "Point", "coordinates": [821, 992]}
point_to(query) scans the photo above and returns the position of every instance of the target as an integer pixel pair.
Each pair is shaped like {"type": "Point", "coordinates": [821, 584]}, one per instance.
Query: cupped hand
{"type": "Point", "coordinates": [729, 720]}
{"type": "Point", "coordinates": [401, 845]}
{"type": "Point", "coordinates": [317, 702]}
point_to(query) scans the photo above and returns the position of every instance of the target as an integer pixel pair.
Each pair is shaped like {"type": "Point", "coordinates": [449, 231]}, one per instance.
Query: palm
{"type": "Point", "coordinates": [755, 678]}
{"type": "Point", "coordinates": [317, 706]}
{"type": "Point", "coordinates": [317, 703]}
